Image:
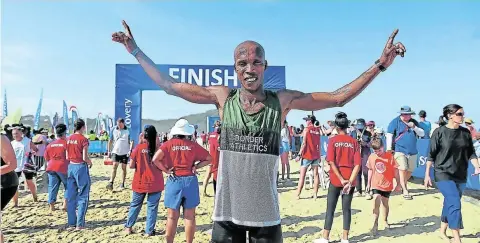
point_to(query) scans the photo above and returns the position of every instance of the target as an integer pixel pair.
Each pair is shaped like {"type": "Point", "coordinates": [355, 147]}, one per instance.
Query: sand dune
{"type": "Point", "coordinates": [413, 221]}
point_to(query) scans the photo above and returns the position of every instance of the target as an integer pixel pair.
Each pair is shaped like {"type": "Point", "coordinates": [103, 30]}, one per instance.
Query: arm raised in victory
{"type": "Point", "coordinates": [196, 94]}
{"type": "Point", "coordinates": [298, 100]}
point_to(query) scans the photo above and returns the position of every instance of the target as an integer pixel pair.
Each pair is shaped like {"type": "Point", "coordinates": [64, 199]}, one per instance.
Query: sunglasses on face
{"type": "Point", "coordinates": [459, 114]}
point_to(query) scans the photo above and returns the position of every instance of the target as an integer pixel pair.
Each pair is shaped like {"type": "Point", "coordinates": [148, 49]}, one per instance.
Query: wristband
{"type": "Point", "coordinates": [135, 51]}
{"type": "Point", "coordinates": [380, 66]}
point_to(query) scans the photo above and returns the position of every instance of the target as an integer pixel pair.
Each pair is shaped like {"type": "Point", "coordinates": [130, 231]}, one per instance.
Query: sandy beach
{"type": "Point", "coordinates": [415, 221]}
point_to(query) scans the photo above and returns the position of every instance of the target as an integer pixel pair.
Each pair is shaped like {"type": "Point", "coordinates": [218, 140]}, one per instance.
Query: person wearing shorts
{"type": "Point", "coordinates": [284, 151]}
{"type": "Point", "coordinates": [120, 139]}
{"type": "Point", "coordinates": [23, 147]}
{"type": "Point", "coordinates": [177, 158]}
{"type": "Point", "coordinates": [382, 171]}
{"type": "Point", "coordinates": [9, 179]}
{"type": "Point", "coordinates": [401, 139]}
{"type": "Point", "coordinates": [309, 154]}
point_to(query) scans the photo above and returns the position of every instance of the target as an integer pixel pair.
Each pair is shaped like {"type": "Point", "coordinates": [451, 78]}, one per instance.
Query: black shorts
{"type": "Point", "coordinates": [122, 159]}
{"type": "Point", "coordinates": [226, 231]}
{"type": "Point", "coordinates": [214, 186]}
{"type": "Point", "coordinates": [28, 175]}
{"type": "Point", "coordinates": [7, 195]}
{"type": "Point", "coordinates": [381, 193]}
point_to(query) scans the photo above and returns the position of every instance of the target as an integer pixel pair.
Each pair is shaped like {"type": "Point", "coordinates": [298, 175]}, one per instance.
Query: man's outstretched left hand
{"type": "Point", "coordinates": [392, 50]}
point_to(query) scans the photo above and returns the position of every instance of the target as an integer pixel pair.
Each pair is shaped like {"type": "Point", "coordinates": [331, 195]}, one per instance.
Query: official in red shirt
{"type": "Point", "coordinates": [343, 156]}
{"type": "Point", "coordinates": [177, 158]}
{"type": "Point", "coordinates": [214, 141]}
{"type": "Point", "coordinates": [57, 166]}
{"type": "Point", "coordinates": [310, 154]}
{"type": "Point", "coordinates": [78, 181]}
{"type": "Point", "coordinates": [213, 146]}
{"type": "Point", "coordinates": [147, 181]}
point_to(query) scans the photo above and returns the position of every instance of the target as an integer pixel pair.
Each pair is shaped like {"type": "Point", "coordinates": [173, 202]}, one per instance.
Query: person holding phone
{"type": "Point", "coordinates": [343, 156]}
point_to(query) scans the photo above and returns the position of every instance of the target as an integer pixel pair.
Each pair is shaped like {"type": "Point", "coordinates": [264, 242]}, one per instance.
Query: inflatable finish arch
{"type": "Point", "coordinates": [131, 80]}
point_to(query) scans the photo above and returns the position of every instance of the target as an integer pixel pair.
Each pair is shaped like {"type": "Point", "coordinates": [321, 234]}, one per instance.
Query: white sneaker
{"type": "Point", "coordinates": [321, 240]}
{"type": "Point", "coordinates": [344, 241]}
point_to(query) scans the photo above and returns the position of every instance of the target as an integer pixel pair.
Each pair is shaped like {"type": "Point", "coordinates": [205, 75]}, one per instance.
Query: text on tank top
{"type": "Point", "coordinates": [248, 163]}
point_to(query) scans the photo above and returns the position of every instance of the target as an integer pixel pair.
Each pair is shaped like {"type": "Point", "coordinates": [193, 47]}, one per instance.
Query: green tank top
{"type": "Point", "coordinates": [251, 133]}
{"type": "Point", "coordinates": [248, 163]}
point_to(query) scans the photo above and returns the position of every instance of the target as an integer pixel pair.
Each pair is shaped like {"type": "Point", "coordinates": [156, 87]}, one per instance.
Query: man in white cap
{"type": "Point", "coordinates": [247, 198]}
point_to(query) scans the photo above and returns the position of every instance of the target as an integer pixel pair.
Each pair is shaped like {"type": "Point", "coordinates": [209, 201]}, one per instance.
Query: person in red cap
{"type": "Point", "coordinates": [310, 154]}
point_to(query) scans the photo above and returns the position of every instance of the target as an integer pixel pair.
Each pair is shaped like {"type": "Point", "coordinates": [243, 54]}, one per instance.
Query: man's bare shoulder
{"type": "Point", "coordinates": [220, 92]}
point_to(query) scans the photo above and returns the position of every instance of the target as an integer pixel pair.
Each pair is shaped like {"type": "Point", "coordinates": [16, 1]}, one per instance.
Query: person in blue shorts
{"type": "Point", "coordinates": [177, 157]}
{"type": "Point", "coordinates": [284, 150]}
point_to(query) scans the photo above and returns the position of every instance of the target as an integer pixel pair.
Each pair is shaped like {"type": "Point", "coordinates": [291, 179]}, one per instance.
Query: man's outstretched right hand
{"type": "Point", "coordinates": [125, 38]}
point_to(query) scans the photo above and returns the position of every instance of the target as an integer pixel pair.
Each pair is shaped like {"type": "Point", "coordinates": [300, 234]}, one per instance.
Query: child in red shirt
{"type": "Point", "coordinates": [343, 156]}
{"type": "Point", "coordinates": [57, 166]}
{"type": "Point", "coordinates": [177, 158]}
{"type": "Point", "coordinates": [382, 170]}
{"type": "Point", "coordinates": [147, 181]}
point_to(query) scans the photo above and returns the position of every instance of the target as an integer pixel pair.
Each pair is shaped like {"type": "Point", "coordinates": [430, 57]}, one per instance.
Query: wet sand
{"type": "Point", "coordinates": [415, 221]}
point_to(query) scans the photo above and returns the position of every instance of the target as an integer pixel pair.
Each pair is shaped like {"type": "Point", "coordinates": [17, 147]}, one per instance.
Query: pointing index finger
{"type": "Point", "coordinates": [127, 28]}
{"type": "Point", "coordinates": [391, 38]}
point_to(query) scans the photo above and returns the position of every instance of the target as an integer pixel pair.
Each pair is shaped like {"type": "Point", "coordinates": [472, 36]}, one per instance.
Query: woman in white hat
{"type": "Point", "coordinates": [177, 157]}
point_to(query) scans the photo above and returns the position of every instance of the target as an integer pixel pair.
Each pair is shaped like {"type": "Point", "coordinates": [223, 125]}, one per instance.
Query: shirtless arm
{"type": "Point", "coordinates": [215, 95]}
{"type": "Point", "coordinates": [292, 99]}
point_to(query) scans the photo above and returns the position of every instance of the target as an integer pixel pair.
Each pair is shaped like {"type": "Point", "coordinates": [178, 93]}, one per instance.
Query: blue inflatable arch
{"type": "Point", "coordinates": [131, 80]}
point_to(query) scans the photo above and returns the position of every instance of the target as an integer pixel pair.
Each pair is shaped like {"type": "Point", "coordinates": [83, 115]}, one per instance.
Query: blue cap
{"type": "Point", "coordinates": [146, 126]}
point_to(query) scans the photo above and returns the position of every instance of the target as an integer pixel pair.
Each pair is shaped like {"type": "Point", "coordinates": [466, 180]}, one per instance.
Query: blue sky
{"type": "Point", "coordinates": [65, 48]}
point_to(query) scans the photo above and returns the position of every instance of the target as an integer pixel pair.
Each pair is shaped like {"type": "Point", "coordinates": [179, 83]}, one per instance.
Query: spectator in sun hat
{"type": "Point", "coordinates": [401, 138]}
{"type": "Point", "coordinates": [424, 124]}
{"type": "Point", "coordinates": [469, 124]}
{"type": "Point", "coordinates": [177, 157]}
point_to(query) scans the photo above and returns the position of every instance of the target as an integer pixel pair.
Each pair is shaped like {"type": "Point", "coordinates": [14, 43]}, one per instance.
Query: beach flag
{"type": "Point", "coordinates": [65, 115]}
{"type": "Point", "coordinates": [13, 118]}
{"type": "Point", "coordinates": [54, 121]}
{"type": "Point", "coordinates": [73, 110]}
{"type": "Point", "coordinates": [5, 106]}
{"type": "Point", "coordinates": [36, 122]}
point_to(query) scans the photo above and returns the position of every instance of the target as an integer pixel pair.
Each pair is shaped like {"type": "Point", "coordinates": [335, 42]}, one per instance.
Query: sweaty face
{"type": "Point", "coordinates": [250, 65]}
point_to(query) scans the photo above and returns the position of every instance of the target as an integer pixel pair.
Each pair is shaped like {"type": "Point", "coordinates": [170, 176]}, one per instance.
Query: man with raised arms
{"type": "Point", "coordinates": [247, 198]}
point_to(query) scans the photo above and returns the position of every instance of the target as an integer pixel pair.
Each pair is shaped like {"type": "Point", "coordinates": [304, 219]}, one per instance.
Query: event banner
{"type": "Point", "coordinates": [473, 182]}
{"type": "Point", "coordinates": [131, 80]}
